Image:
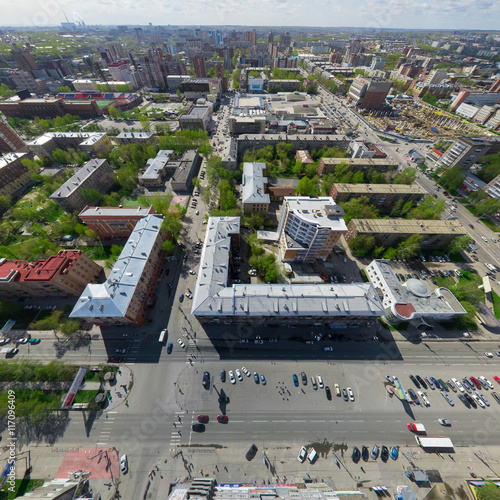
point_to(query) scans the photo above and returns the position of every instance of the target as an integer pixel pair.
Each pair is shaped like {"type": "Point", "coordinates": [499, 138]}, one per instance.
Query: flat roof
{"type": "Point", "coordinates": [409, 226]}
{"type": "Point", "coordinates": [379, 188]}
{"type": "Point", "coordinates": [253, 183]}
{"type": "Point", "coordinates": [321, 212]}
{"type": "Point", "coordinates": [134, 135]}
{"type": "Point", "coordinates": [116, 211]}
{"type": "Point", "coordinates": [111, 299]}
{"type": "Point", "coordinates": [185, 166]}
{"type": "Point", "coordinates": [212, 296]}
{"type": "Point", "coordinates": [197, 112]}
{"type": "Point", "coordinates": [295, 138]}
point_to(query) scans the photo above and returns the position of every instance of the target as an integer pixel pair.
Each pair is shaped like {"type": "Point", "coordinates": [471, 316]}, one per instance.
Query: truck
{"type": "Point", "coordinates": [417, 428]}
{"type": "Point", "coordinates": [434, 443]}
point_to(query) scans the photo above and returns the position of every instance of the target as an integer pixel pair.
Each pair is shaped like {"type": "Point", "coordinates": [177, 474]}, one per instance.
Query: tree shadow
{"type": "Point", "coordinates": [73, 343]}
{"type": "Point", "coordinates": [49, 430]}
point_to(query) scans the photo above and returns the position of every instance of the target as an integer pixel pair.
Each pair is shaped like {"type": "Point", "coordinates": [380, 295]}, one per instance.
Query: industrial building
{"type": "Point", "coordinates": [253, 189]}
{"type": "Point", "coordinates": [390, 232]}
{"type": "Point", "coordinates": [411, 301]}
{"type": "Point", "coordinates": [309, 228]}
{"type": "Point", "coordinates": [217, 303]}
{"type": "Point", "coordinates": [385, 197]}
{"type": "Point", "coordinates": [123, 298]}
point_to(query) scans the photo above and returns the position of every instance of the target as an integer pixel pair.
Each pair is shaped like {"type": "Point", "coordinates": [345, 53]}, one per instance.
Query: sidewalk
{"type": "Point", "coordinates": [119, 388]}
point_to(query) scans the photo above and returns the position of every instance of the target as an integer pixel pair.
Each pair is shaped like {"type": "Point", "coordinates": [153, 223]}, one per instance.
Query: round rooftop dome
{"type": "Point", "coordinates": [418, 288]}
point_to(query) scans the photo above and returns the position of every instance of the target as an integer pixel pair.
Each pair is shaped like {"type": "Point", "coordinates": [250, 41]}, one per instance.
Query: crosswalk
{"type": "Point", "coordinates": [134, 350]}
{"type": "Point", "coordinates": [176, 434]}
{"type": "Point", "coordinates": [103, 438]}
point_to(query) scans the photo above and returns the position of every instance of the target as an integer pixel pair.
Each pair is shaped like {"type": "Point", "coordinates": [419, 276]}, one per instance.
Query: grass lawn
{"type": "Point", "coordinates": [86, 396]}
{"type": "Point", "coordinates": [490, 224]}
{"type": "Point", "coordinates": [471, 209]}
{"type": "Point", "coordinates": [457, 257]}
{"type": "Point", "coordinates": [97, 253]}
{"type": "Point", "coordinates": [23, 317]}
{"type": "Point", "coordinates": [132, 202]}
{"type": "Point", "coordinates": [445, 282]}
{"type": "Point", "coordinates": [21, 487]}
{"type": "Point", "coordinates": [496, 304]}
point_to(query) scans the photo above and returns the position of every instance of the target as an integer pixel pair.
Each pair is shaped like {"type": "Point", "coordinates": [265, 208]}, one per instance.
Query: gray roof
{"type": "Point", "coordinates": [156, 164]}
{"type": "Point", "coordinates": [253, 183]}
{"type": "Point", "coordinates": [115, 211]}
{"type": "Point", "coordinates": [197, 112]}
{"type": "Point", "coordinates": [111, 299]}
{"type": "Point", "coordinates": [9, 158]}
{"type": "Point", "coordinates": [212, 296]}
{"type": "Point", "coordinates": [134, 135]}
{"type": "Point", "coordinates": [73, 183]}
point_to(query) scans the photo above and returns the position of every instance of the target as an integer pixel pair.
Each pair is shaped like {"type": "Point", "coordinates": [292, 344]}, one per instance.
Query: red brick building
{"type": "Point", "coordinates": [114, 222]}
{"type": "Point", "coordinates": [67, 273]}
{"type": "Point", "coordinates": [10, 142]}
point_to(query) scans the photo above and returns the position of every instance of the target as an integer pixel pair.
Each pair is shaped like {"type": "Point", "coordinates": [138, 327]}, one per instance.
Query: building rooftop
{"type": "Point", "coordinates": [111, 299]}
{"type": "Point", "coordinates": [155, 165]}
{"type": "Point", "coordinates": [359, 161]}
{"type": "Point", "coordinates": [185, 165]}
{"type": "Point", "coordinates": [116, 211]}
{"type": "Point", "coordinates": [93, 139]}
{"type": "Point", "coordinates": [212, 296]}
{"type": "Point", "coordinates": [379, 188]}
{"type": "Point", "coordinates": [198, 112]}
{"type": "Point", "coordinates": [134, 135]}
{"type": "Point", "coordinates": [409, 226]}
{"type": "Point", "coordinates": [82, 174]}
{"type": "Point", "coordinates": [321, 212]}
{"type": "Point", "coordinates": [9, 158]}
{"type": "Point", "coordinates": [253, 183]}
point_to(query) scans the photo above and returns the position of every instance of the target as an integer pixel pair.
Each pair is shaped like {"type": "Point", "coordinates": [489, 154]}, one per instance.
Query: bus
{"type": "Point", "coordinates": [163, 336]}
{"type": "Point", "coordinates": [434, 443]}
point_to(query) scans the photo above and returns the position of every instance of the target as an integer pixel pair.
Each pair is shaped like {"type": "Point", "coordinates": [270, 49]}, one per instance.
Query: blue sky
{"type": "Point", "coordinates": [407, 14]}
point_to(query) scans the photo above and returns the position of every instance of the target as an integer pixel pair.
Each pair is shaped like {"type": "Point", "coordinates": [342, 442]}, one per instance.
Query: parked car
{"type": "Point", "coordinates": [124, 464]}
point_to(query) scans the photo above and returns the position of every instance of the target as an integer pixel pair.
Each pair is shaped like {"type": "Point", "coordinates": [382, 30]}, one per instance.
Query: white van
{"type": "Point", "coordinates": [312, 456]}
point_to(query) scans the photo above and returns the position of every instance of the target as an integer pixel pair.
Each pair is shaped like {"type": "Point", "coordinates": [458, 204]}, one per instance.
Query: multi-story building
{"type": "Point", "coordinates": [23, 57]}
{"type": "Point", "coordinates": [385, 197]}
{"type": "Point", "coordinates": [309, 228]}
{"type": "Point", "coordinates": [123, 298]}
{"type": "Point", "coordinates": [96, 174]}
{"type": "Point", "coordinates": [391, 232]}
{"type": "Point", "coordinates": [67, 273]}
{"type": "Point", "coordinates": [201, 88]}
{"type": "Point", "coordinates": [465, 152]}
{"type": "Point", "coordinates": [495, 87]}
{"type": "Point", "coordinates": [93, 143]}
{"type": "Point", "coordinates": [239, 125]}
{"type": "Point", "coordinates": [411, 301]}
{"type": "Point", "coordinates": [329, 165]}
{"type": "Point", "coordinates": [199, 67]}
{"type": "Point", "coordinates": [156, 168]}
{"type": "Point", "coordinates": [283, 85]}
{"type": "Point", "coordinates": [15, 178]}
{"type": "Point", "coordinates": [436, 76]}
{"type": "Point", "coordinates": [253, 189]}
{"type": "Point", "coordinates": [188, 167]}
{"type": "Point", "coordinates": [198, 118]}
{"type": "Point", "coordinates": [10, 142]}
{"type": "Point", "coordinates": [267, 304]}
{"type": "Point", "coordinates": [114, 222]}
{"type": "Point", "coordinates": [365, 150]}
{"type": "Point", "coordinates": [135, 138]}
{"type": "Point", "coordinates": [24, 80]}
{"type": "Point", "coordinates": [493, 187]}
{"type": "Point", "coordinates": [48, 108]}
{"type": "Point", "coordinates": [369, 93]}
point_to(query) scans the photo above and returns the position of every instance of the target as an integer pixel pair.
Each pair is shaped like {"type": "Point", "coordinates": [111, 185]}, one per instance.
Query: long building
{"type": "Point", "coordinates": [309, 228]}
{"type": "Point", "coordinates": [114, 222]}
{"type": "Point", "coordinates": [253, 189]}
{"type": "Point", "coordinates": [465, 152]}
{"type": "Point", "coordinates": [122, 298]}
{"type": "Point", "coordinates": [217, 303]}
{"type": "Point", "coordinates": [67, 273]}
{"type": "Point", "coordinates": [157, 168]}
{"type": "Point", "coordinates": [188, 167]}
{"type": "Point", "coordinates": [95, 174]}
{"type": "Point", "coordinates": [93, 143]}
{"type": "Point", "coordinates": [15, 178]}
{"type": "Point", "coordinates": [390, 232]}
{"type": "Point", "coordinates": [10, 142]}
{"type": "Point", "coordinates": [413, 300]}
{"type": "Point", "coordinates": [329, 165]}
{"type": "Point", "coordinates": [385, 197]}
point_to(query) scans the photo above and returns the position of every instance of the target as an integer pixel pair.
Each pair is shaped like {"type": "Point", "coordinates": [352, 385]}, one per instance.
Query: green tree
{"type": "Point", "coordinates": [169, 247]}
{"type": "Point", "coordinates": [453, 178]}
{"type": "Point", "coordinates": [91, 195]}
{"type": "Point", "coordinates": [61, 156]}
{"type": "Point", "coordinates": [359, 208]}
{"type": "Point", "coordinates": [306, 187]}
{"type": "Point", "coordinates": [113, 112]}
{"type": "Point", "coordinates": [6, 201]}
{"type": "Point", "coordinates": [459, 244]}
{"type": "Point", "coordinates": [255, 220]}
{"type": "Point", "coordinates": [411, 247]}
{"type": "Point", "coordinates": [63, 89]}
{"type": "Point", "coordinates": [467, 290]}
{"type": "Point", "coordinates": [489, 491]}
{"type": "Point", "coordinates": [144, 120]}
{"type": "Point", "coordinates": [6, 91]}
{"type": "Point", "coordinates": [358, 177]}
{"type": "Point", "coordinates": [361, 245]}
{"type": "Point", "coordinates": [407, 176]}
{"type": "Point", "coordinates": [428, 209]}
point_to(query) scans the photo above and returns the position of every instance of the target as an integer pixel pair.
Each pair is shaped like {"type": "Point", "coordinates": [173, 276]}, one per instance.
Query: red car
{"type": "Point", "coordinates": [497, 379]}
{"type": "Point", "coordinates": [115, 359]}
{"type": "Point", "coordinates": [476, 383]}
{"type": "Point", "coordinates": [203, 419]}
{"type": "Point", "coordinates": [222, 419]}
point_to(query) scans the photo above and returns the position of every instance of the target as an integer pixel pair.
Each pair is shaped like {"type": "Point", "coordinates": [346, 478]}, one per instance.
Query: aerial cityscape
{"type": "Point", "coordinates": [199, 215]}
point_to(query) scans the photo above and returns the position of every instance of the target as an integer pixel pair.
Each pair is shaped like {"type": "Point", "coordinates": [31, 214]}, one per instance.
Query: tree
{"type": "Point", "coordinates": [306, 187]}
{"type": "Point", "coordinates": [169, 247]}
{"type": "Point", "coordinates": [63, 89]}
{"type": "Point", "coordinates": [6, 201]}
{"type": "Point", "coordinates": [453, 178]}
{"type": "Point", "coordinates": [362, 245]}
{"type": "Point", "coordinates": [6, 91]}
{"type": "Point", "coordinates": [196, 182]}
{"type": "Point", "coordinates": [145, 123]}
{"type": "Point", "coordinates": [358, 177]}
{"type": "Point", "coordinates": [411, 247]}
{"type": "Point", "coordinates": [255, 220]}
{"type": "Point", "coordinates": [459, 244]}
{"type": "Point", "coordinates": [60, 156]}
{"type": "Point", "coordinates": [359, 208]}
{"type": "Point", "coordinates": [91, 195]}
{"type": "Point", "coordinates": [467, 290]}
{"type": "Point", "coordinates": [407, 176]}
{"type": "Point", "coordinates": [488, 491]}
{"type": "Point", "coordinates": [113, 112]}
{"type": "Point", "coordinates": [428, 209]}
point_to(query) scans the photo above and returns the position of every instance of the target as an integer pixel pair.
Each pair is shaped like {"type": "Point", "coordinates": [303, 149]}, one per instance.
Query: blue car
{"type": "Point", "coordinates": [170, 346]}
{"type": "Point", "coordinates": [295, 380]}
{"type": "Point", "coordinates": [436, 383]}
{"type": "Point", "coordinates": [394, 453]}
{"type": "Point", "coordinates": [256, 377]}
{"type": "Point", "coordinates": [263, 379]}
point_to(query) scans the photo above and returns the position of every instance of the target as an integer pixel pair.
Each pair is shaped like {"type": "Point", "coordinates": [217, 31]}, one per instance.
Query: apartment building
{"type": "Point", "coordinates": [114, 222]}
{"type": "Point", "coordinates": [412, 301]}
{"type": "Point", "coordinates": [391, 232]}
{"type": "Point", "coordinates": [67, 273]}
{"type": "Point", "coordinates": [157, 168]}
{"type": "Point", "coordinates": [96, 174]}
{"type": "Point", "coordinates": [198, 118]}
{"type": "Point", "coordinates": [385, 197]}
{"type": "Point", "coordinates": [369, 93]}
{"type": "Point", "coordinates": [188, 167]}
{"type": "Point", "coordinates": [14, 176]}
{"type": "Point", "coordinates": [214, 302]}
{"type": "Point", "coordinates": [48, 108]}
{"type": "Point", "coordinates": [10, 142]}
{"type": "Point", "coordinates": [309, 228]}
{"type": "Point", "coordinates": [465, 152]}
{"type": "Point", "coordinates": [253, 189]}
{"type": "Point", "coordinates": [122, 299]}
{"type": "Point", "coordinates": [329, 165]}
{"type": "Point", "coordinates": [93, 143]}
{"type": "Point", "coordinates": [239, 125]}
{"type": "Point", "coordinates": [135, 138]}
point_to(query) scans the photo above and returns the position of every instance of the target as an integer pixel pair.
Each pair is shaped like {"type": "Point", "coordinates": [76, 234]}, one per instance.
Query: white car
{"type": "Point", "coordinates": [320, 382]}
{"type": "Point", "coordinates": [231, 377]}
{"type": "Point", "coordinates": [351, 394]}
{"type": "Point", "coordinates": [425, 399]}
{"type": "Point", "coordinates": [478, 400]}
{"type": "Point", "coordinates": [459, 385]}
{"type": "Point", "coordinates": [302, 454]}
{"type": "Point", "coordinates": [246, 372]}
{"type": "Point", "coordinates": [191, 272]}
{"type": "Point", "coordinates": [484, 238]}
{"type": "Point", "coordinates": [488, 354]}
{"type": "Point", "coordinates": [239, 375]}
{"type": "Point", "coordinates": [181, 343]}
{"type": "Point", "coordinates": [487, 382]}
{"type": "Point", "coordinates": [124, 464]}
{"type": "Point", "coordinates": [444, 421]}
{"type": "Point", "coordinates": [24, 340]}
